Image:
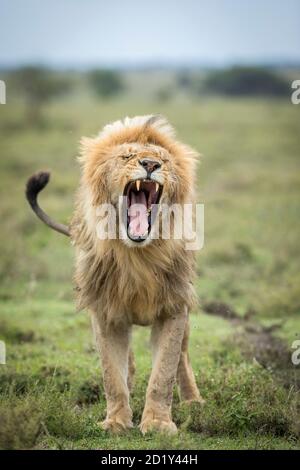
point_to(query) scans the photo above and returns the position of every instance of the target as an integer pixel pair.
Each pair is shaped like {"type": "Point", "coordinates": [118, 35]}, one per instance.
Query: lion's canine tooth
{"type": "Point", "coordinates": [138, 183]}
{"type": "Point", "coordinates": [156, 187]}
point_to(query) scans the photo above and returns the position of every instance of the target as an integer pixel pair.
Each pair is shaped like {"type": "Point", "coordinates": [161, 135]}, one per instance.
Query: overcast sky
{"type": "Point", "coordinates": [132, 32]}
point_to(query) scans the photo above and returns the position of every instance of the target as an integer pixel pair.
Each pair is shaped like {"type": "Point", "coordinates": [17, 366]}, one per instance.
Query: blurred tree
{"type": "Point", "coordinates": [39, 86]}
{"type": "Point", "coordinates": [164, 94]}
{"type": "Point", "coordinates": [106, 83]}
{"type": "Point", "coordinates": [184, 80]}
{"type": "Point", "coordinates": [245, 81]}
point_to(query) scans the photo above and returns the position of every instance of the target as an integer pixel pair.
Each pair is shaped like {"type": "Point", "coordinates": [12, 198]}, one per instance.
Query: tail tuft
{"type": "Point", "coordinates": [35, 184]}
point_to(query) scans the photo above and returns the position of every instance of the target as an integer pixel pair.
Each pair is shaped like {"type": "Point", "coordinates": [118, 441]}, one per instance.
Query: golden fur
{"type": "Point", "coordinates": [123, 284]}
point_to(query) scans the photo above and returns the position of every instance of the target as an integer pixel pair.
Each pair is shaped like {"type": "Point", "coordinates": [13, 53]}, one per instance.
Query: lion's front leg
{"type": "Point", "coordinates": [166, 342]}
{"type": "Point", "coordinates": [113, 345]}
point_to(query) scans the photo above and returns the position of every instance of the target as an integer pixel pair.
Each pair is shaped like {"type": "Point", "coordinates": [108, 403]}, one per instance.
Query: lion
{"type": "Point", "coordinates": [133, 278]}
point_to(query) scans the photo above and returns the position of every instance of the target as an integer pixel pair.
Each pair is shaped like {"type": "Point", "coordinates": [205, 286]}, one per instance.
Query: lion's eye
{"type": "Point", "coordinates": [128, 156]}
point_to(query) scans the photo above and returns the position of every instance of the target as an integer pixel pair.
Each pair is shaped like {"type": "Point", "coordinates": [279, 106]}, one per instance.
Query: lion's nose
{"type": "Point", "coordinates": [149, 165]}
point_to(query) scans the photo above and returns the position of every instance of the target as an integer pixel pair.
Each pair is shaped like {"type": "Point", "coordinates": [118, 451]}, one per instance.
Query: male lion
{"type": "Point", "coordinates": [134, 279]}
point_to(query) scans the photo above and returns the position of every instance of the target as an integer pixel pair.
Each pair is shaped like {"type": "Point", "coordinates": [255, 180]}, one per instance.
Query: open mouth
{"type": "Point", "coordinates": [142, 199]}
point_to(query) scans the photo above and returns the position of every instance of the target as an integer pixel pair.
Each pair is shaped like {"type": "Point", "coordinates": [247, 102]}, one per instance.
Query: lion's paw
{"type": "Point", "coordinates": [190, 401]}
{"type": "Point", "coordinates": [155, 424]}
{"type": "Point", "coordinates": [116, 425]}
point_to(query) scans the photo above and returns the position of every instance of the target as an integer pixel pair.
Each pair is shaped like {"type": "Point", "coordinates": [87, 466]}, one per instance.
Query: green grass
{"type": "Point", "coordinates": [51, 395]}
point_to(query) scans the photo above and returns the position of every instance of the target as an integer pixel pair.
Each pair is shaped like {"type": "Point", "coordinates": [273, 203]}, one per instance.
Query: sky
{"type": "Point", "coordinates": [137, 32]}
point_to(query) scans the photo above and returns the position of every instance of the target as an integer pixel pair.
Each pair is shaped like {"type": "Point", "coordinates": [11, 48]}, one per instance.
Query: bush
{"type": "Point", "coordinates": [105, 83]}
{"type": "Point", "coordinates": [20, 425]}
{"type": "Point", "coordinates": [38, 86]}
{"type": "Point", "coordinates": [184, 80]}
{"type": "Point", "coordinates": [250, 81]}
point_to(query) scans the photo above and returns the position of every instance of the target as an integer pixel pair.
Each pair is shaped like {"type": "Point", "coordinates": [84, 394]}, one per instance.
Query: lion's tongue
{"type": "Point", "coordinates": [138, 216]}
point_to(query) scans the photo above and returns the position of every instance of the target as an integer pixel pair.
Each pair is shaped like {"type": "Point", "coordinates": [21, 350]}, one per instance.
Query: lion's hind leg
{"type": "Point", "coordinates": [131, 370]}
{"type": "Point", "coordinates": [185, 376]}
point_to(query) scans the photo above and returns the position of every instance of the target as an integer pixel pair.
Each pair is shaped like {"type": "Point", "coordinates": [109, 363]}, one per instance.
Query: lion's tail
{"type": "Point", "coordinates": [34, 185]}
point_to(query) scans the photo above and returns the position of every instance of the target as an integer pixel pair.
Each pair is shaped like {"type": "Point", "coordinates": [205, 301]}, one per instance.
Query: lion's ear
{"type": "Point", "coordinates": [86, 146]}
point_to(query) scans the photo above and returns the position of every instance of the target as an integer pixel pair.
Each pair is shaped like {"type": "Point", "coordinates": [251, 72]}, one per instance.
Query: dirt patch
{"type": "Point", "coordinates": [13, 334]}
{"type": "Point", "coordinates": [258, 343]}
{"type": "Point", "coordinates": [54, 371]}
{"type": "Point", "coordinates": [58, 375]}
{"type": "Point", "coordinates": [89, 392]}
{"type": "Point", "coordinates": [19, 384]}
{"type": "Point", "coordinates": [221, 310]}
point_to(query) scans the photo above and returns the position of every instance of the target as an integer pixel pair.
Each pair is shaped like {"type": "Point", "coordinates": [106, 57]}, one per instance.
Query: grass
{"type": "Point", "coordinates": [51, 394]}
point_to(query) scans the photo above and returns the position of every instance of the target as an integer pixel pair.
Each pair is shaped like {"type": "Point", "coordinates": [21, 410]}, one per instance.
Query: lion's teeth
{"type": "Point", "coordinates": [138, 183]}
{"type": "Point", "coordinates": [156, 187]}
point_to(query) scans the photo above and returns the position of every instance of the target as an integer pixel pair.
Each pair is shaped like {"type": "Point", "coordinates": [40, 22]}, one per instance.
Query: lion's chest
{"type": "Point", "coordinates": [142, 300]}
{"type": "Point", "coordinates": [133, 290]}
{"type": "Point", "coordinates": [127, 288]}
